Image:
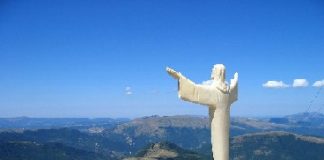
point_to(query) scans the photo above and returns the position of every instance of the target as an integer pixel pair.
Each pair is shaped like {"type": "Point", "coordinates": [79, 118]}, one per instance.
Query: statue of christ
{"type": "Point", "coordinates": [218, 96]}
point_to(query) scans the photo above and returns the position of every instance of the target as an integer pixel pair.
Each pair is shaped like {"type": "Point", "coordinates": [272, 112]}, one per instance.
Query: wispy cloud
{"type": "Point", "coordinates": [319, 83]}
{"type": "Point", "coordinates": [128, 90]}
{"type": "Point", "coordinates": [207, 82]}
{"type": "Point", "coordinates": [300, 83]}
{"type": "Point", "coordinates": [275, 84]}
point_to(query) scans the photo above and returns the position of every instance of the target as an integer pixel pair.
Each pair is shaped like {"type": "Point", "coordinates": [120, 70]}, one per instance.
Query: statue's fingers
{"type": "Point", "coordinates": [234, 80]}
{"type": "Point", "coordinates": [173, 73]}
{"type": "Point", "coordinates": [171, 70]}
{"type": "Point", "coordinates": [236, 76]}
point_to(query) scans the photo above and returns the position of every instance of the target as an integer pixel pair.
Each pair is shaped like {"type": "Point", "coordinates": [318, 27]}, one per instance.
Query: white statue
{"type": "Point", "coordinates": [218, 96]}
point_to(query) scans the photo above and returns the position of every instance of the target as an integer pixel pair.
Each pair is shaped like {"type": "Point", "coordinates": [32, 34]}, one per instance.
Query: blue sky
{"type": "Point", "coordinates": [108, 58]}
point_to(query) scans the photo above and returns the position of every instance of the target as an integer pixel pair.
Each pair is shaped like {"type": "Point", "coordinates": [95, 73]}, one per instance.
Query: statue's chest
{"type": "Point", "coordinates": [222, 98]}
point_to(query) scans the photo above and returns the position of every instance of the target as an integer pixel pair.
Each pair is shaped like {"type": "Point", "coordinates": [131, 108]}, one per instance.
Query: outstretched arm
{"type": "Point", "coordinates": [189, 91]}
{"type": "Point", "coordinates": [234, 88]}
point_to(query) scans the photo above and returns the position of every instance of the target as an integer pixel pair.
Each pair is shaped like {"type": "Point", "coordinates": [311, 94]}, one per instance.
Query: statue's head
{"type": "Point", "coordinates": [218, 72]}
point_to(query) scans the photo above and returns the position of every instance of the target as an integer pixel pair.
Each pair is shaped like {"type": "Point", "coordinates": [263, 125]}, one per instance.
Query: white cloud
{"type": "Point", "coordinates": [275, 84]}
{"type": "Point", "coordinates": [319, 83]}
{"type": "Point", "coordinates": [128, 90]}
{"type": "Point", "coordinates": [208, 82]}
{"type": "Point", "coordinates": [129, 93]}
{"type": "Point", "coordinates": [300, 83]}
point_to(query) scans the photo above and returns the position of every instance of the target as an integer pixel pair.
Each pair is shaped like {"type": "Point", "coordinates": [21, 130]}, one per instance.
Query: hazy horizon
{"type": "Point", "coordinates": [142, 116]}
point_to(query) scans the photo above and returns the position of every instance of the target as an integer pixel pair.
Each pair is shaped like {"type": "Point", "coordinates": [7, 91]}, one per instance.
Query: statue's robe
{"type": "Point", "coordinates": [218, 97]}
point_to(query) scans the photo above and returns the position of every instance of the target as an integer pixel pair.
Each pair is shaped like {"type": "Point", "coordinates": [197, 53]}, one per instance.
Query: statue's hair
{"type": "Point", "coordinates": [218, 72]}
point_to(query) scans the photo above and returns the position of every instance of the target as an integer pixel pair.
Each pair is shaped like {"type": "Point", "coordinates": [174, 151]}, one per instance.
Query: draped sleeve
{"type": "Point", "coordinates": [200, 94]}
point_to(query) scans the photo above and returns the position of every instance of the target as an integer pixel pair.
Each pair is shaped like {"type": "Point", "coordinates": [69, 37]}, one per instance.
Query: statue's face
{"type": "Point", "coordinates": [218, 72]}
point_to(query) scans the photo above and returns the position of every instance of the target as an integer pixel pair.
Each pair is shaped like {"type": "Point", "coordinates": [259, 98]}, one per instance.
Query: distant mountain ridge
{"type": "Point", "coordinates": [239, 125]}
{"type": "Point", "coordinates": [41, 123]}
{"type": "Point", "coordinates": [179, 129]}
{"type": "Point", "coordinates": [125, 139]}
{"type": "Point", "coordinates": [309, 118]}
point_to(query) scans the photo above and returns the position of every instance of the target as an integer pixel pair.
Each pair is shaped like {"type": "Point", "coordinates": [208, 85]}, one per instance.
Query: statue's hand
{"type": "Point", "coordinates": [234, 80]}
{"type": "Point", "coordinates": [236, 77]}
{"type": "Point", "coordinates": [173, 73]}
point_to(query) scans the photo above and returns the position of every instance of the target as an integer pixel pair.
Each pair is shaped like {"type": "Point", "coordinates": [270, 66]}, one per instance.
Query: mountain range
{"type": "Point", "coordinates": [291, 137]}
